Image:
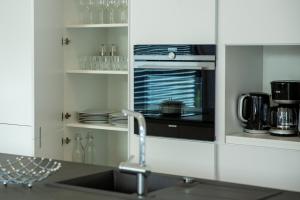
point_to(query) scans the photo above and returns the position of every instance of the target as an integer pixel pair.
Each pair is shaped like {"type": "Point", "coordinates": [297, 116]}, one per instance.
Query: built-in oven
{"type": "Point", "coordinates": [174, 87]}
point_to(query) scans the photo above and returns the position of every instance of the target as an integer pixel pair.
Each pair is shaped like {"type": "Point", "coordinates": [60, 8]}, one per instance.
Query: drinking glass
{"type": "Point", "coordinates": [106, 63]}
{"type": "Point", "coordinates": [123, 11]}
{"type": "Point", "coordinates": [110, 6]}
{"type": "Point", "coordinates": [91, 11]}
{"type": "Point", "coordinates": [83, 62]}
{"type": "Point", "coordinates": [115, 65]}
{"type": "Point", "coordinates": [83, 11]}
{"type": "Point", "coordinates": [124, 63]}
{"type": "Point", "coordinates": [99, 65]}
{"type": "Point", "coordinates": [94, 61]}
{"type": "Point", "coordinates": [100, 11]}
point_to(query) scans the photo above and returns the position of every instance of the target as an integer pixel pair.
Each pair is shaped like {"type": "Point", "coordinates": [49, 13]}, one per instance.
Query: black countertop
{"type": "Point", "coordinates": [203, 189]}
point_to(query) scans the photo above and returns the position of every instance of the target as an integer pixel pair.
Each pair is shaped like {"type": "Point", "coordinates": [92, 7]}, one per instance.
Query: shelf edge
{"type": "Point", "coordinates": [263, 142]}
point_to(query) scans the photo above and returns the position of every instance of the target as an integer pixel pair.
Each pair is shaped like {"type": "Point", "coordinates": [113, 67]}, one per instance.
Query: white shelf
{"type": "Point", "coordinates": [264, 140]}
{"type": "Point", "coordinates": [111, 72]}
{"type": "Point", "coordinates": [97, 127]}
{"type": "Point", "coordinates": [97, 26]}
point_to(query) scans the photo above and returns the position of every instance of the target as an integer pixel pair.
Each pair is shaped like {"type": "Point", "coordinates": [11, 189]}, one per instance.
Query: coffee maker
{"type": "Point", "coordinates": [285, 115]}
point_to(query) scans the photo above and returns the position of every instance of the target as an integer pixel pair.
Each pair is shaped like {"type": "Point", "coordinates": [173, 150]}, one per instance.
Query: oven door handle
{"type": "Point", "coordinates": [175, 65]}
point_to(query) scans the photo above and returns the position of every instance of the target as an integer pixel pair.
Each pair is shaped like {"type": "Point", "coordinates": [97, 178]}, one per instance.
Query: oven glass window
{"type": "Point", "coordinates": [193, 88]}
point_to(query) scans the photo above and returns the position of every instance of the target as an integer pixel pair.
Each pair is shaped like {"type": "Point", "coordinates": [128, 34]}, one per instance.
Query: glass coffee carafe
{"type": "Point", "coordinates": [284, 120]}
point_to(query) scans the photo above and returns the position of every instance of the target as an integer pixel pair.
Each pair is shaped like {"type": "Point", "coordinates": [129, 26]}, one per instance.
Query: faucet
{"type": "Point", "coordinates": [139, 169]}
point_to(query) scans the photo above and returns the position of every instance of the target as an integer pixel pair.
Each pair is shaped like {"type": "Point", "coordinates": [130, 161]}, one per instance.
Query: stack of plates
{"type": "Point", "coordinates": [93, 117]}
{"type": "Point", "coordinates": [118, 119]}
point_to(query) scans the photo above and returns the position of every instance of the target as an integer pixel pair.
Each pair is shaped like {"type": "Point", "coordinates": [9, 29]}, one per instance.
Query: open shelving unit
{"type": "Point", "coordinates": [105, 90]}
{"type": "Point", "coordinates": [264, 140]}
{"type": "Point", "coordinates": [96, 26]}
{"type": "Point", "coordinates": [251, 68]}
{"type": "Point", "coordinates": [108, 72]}
{"type": "Point", "coordinates": [107, 127]}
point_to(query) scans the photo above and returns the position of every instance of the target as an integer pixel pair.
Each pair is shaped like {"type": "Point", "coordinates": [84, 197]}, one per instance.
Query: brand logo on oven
{"type": "Point", "coordinates": [173, 49]}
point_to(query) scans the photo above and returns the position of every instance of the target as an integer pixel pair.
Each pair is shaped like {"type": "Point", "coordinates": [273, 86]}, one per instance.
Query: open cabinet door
{"type": "Point", "coordinates": [49, 84]}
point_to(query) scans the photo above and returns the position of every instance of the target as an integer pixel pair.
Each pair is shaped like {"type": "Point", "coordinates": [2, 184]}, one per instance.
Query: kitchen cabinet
{"type": "Point", "coordinates": [258, 41]}
{"type": "Point", "coordinates": [259, 22]}
{"type": "Point", "coordinates": [92, 88]}
{"type": "Point", "coordinates": [17, 139]}
{"type": "Point", "coordinates": [178, 156]}
{"type": "Point", "coordinates": [173, 22]}
{"type": "Point", "coordinates": [41, 80]}
{"type": "Point", "coordinates": [16, 63]}
{"type": "Point", "coordinates": [30, 79]}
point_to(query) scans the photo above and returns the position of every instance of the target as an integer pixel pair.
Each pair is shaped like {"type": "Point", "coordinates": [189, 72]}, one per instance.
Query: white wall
{"type": "Point", "coordinates": [280, 63]}
{"type": "Point", "coordinates": [244, 74]}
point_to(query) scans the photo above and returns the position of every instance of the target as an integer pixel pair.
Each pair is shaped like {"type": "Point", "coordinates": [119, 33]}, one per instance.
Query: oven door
{"type": "Point", "coordinates": [193, 88]}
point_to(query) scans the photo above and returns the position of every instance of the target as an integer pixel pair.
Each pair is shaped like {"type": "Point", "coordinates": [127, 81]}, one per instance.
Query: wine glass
{"type": "Point", "coordinates": [100, 11]}
{"type": "Point", "coordinates": [123, 11]}
{"type": "Point", "coordinates": [110, 5]}
{"type": "Point", "coordinates": [83, 12]}
{"type": "Point", "coordinates": [90, 6]}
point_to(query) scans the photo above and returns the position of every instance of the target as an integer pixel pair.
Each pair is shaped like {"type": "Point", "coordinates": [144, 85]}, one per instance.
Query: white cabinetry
{"type": "Point", "coordinates": [173, 21]}
{"type": "Point", "coordinates": [94, 87]}
{"type": "Point", "coordinates": [258, 43]}
{"type": "Point", "coordinates": [16, 62]}
{"type": "Point", "coordinates": [29, 79]}
{"type": "Point", "coordinates": [16, 140]}
{"type": "Point", "coordinates": [259, 22]}
{"type": "Point", "coordinates": [177, 156]}
{"type": "Point", "coordinates": [35, 89]}
{"type": "Point", "coordinates": [252, 165]}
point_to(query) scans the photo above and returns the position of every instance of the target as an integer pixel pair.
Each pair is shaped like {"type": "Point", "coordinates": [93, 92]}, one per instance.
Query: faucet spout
{"type": "Point", "coordinates": [139, 169]}
{"type": "Point", "coordinates": [142, 133]}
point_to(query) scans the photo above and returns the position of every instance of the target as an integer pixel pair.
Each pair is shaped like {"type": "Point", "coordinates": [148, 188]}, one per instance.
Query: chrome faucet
{"type": "Point", "coordinates": [140, 168]}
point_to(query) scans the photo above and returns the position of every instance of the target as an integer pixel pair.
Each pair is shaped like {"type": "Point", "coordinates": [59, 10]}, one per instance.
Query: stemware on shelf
{"type": "Point", "coordinates": [124, 11]}
{"type": "Point", "coordinates": [100, 11]}
{"type": "Point", "coordinates": [103, 11]}
{"type": "Point", "coordinates": [104, 60]}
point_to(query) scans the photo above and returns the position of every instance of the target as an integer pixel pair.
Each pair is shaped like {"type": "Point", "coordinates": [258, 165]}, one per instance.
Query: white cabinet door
{"type": "Point", "coordinates": [16, 62]}
{"type": "Point", "coordinates": [17, 140]}
{"type": "Point", "coordinates": [261, 166]}
{"type": "Point", "coordinates": [177, 156]}
{"type": "Point", "coordinates": [259, 22]}
{"type": "Point", "coordinates": [49, 75]}
{"type": "Point", "coordinates": [173, 21]}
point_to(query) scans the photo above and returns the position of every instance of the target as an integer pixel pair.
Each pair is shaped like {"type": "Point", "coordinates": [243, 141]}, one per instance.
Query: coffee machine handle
{"type": "Point", "coordinates": [299, 120]}
{"type": "Point", "coordinates": [240, 107]}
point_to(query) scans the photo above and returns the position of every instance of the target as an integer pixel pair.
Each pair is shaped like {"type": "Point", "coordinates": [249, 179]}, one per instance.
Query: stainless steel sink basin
{"type": "Point", "coordinates": [116, 181]}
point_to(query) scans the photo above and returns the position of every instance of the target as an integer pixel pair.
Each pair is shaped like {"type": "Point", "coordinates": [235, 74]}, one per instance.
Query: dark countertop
{"type": "Point", "coordinates": [204, 189]}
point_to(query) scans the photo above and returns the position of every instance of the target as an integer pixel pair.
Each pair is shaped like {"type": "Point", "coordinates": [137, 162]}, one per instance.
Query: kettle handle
{"type": "Point", "coordinates": [240, 107]}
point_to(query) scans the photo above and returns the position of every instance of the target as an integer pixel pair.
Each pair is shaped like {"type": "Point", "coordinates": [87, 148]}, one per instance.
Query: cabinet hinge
{"type": "Point", "coordinates": [65, 141]}
{"type": "Point", "coordinates": [65, 41]}
{"type": "Point", "coordinates": [65, 116]}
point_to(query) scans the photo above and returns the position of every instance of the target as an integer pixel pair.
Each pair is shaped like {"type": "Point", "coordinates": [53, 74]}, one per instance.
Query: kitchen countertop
{"type": "Point", "coordinates": [204, 189]}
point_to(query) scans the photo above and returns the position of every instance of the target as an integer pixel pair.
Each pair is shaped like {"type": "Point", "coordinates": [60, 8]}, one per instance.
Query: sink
{"type": "Point", "coordinates": [115, 181]}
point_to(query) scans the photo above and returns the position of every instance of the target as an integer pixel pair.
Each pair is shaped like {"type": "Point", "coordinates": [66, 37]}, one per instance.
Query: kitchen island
{"type": "Point", "coordinates": [202, 189]}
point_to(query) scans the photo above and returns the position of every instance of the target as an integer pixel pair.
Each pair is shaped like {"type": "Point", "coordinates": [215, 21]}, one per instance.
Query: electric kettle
{"type": "Point", "coordinates": [254, 112]}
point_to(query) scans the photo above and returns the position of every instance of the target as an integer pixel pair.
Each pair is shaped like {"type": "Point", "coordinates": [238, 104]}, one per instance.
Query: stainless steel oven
{"type": "Point", "coordinates": [174, 87]}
